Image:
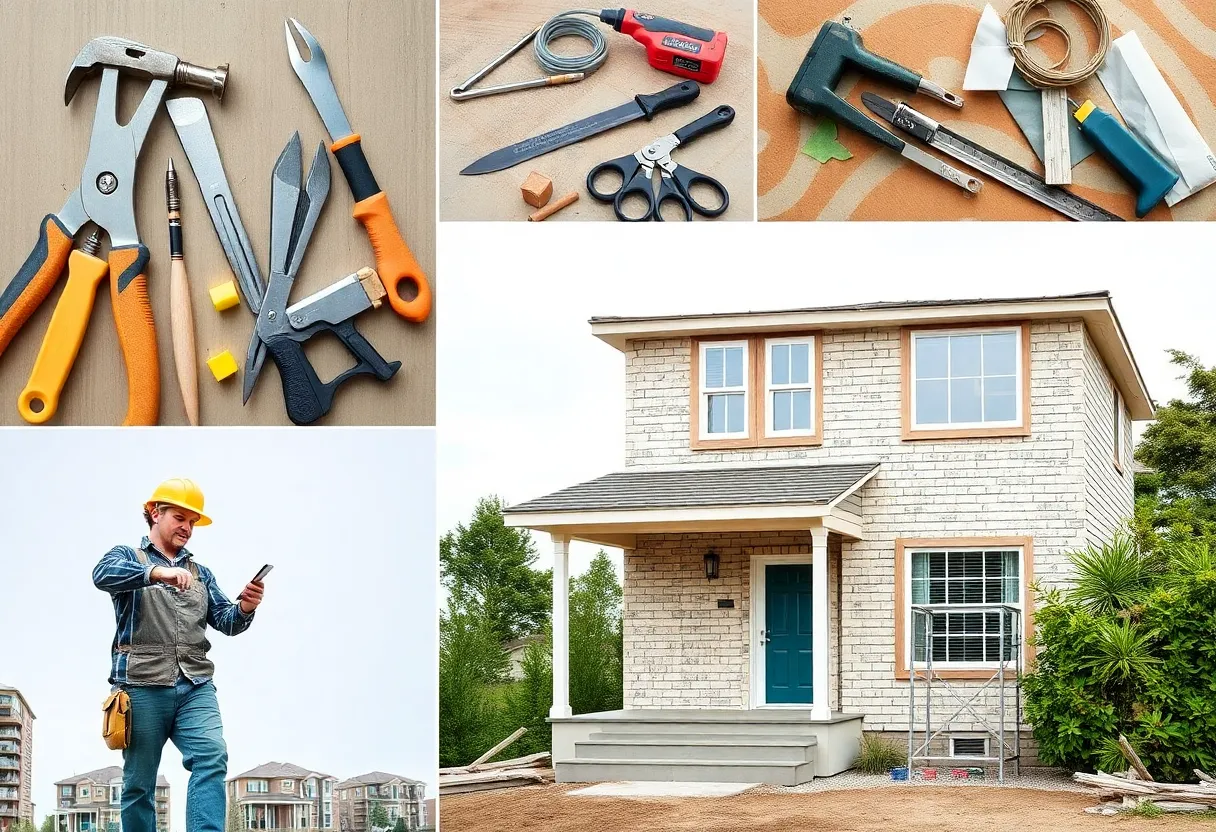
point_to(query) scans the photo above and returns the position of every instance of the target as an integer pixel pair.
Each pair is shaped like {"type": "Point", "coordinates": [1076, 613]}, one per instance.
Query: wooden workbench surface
{"type": "Point", "coordinates": [472, 32]}
{"type": "Point", "coordinates": [381, 56]}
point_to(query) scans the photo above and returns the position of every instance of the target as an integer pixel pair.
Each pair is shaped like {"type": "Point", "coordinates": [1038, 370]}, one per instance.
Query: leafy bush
{"type": "Point", "coordinates": [878, 756]}
{"type": "Point", "coordinates": [1130, 648]}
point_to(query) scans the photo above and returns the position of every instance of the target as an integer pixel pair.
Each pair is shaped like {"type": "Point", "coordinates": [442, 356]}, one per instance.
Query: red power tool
{"type": "Point", "coordinates": [672, 46]}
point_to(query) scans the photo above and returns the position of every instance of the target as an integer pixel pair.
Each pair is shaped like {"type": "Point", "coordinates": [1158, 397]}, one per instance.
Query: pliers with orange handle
{"type": "Point", "coordinates": [394, 260]}
{"type": "Point", "coordinates": [105, 196]}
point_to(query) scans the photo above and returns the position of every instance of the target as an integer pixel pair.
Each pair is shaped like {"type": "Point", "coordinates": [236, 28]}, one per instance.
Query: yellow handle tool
{"type": "Point", "coordinates": [39, 400]}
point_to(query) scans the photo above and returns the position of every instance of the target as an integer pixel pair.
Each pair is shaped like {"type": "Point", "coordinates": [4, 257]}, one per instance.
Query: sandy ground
{"type": "Point", "coordinates": [910, 809]}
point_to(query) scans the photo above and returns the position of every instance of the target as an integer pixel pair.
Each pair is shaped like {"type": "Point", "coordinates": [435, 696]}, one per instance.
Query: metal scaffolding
{"type": "Point", "coordinates": [923, 672]}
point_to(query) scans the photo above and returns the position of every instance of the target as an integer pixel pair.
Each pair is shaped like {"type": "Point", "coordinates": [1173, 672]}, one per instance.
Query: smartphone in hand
{"type": "Point", "coordinates": [262, 573]}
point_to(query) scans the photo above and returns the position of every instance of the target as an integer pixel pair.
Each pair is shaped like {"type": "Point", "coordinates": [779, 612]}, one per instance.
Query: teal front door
{"type": "Point", "coordinates": [787, 632]}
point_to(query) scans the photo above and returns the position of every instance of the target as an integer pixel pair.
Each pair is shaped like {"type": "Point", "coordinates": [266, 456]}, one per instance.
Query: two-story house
{"type": "Point", "coordinates": [92, 802]}
{"type": "Point", "coordinates": [400, 797]}
{"type": "Point", "coordinates": [283, 796]}
{"type": "Point", "coordinates": [800, 485]}
{"type": "Point", "coordinates": [16, 758]}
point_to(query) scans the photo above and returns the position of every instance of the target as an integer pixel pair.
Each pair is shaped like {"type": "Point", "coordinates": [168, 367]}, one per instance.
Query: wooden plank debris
{"type": "Point", "coordinates": [1134, 759]}
{"type": "Point", "coordinates": [479, 775]}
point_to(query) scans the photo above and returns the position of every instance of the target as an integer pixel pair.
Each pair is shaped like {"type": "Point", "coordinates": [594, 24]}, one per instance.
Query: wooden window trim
{"type": "Point", "coordinates": [902, 544]}
{"type": "Point", "coordinates": [907, 433]}
{"type": "Point", "coordinates": [1118, 435]}
{"type": "Point", "coordinates": [756, 398]}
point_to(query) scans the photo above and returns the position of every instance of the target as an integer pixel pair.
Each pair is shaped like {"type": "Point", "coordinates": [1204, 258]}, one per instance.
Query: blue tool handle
{"type": "Point", "coordinates": [1151, 178]}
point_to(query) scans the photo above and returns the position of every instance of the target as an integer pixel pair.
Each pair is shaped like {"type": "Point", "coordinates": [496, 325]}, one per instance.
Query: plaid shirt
{"type": "Point", "coordinates": [121, 574]}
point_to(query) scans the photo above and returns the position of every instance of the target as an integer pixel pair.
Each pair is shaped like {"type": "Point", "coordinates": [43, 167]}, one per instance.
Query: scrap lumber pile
{"type": "Point", "coordinates": [1136, 786]}
{"type": "Point", "coordinates": [505, 774]}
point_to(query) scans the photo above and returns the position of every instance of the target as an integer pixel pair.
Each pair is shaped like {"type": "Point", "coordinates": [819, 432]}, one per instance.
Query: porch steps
{"type": "Point", "coordinates": [691, 753]}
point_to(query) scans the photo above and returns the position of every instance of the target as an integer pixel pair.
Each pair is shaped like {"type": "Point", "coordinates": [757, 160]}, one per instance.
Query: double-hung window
{"type": "Point", "coordinates": [724, 390]}
{"type": "Point", "coordinates": [789, 387]}
{"type": "Point", "coordinates": [966, 382]}
{"type": "Point", "coordinates": [982, 577]}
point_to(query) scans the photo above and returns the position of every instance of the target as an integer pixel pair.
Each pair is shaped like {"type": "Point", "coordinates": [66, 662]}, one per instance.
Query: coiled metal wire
{"type": "Point", "coordinates": [569, 24]}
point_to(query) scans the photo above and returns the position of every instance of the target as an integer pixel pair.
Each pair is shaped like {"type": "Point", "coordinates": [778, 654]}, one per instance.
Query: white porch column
{"type": "Point", "coordinates": [561, 627]}
{"type": "Point", "coordinates": [820, 622]}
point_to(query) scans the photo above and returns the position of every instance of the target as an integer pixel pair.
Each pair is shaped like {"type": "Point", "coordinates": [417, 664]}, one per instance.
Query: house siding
{"type": "Point", "coordinates": [1108, 493]}
{"type": "Point", "coordinates": [1036, 486]}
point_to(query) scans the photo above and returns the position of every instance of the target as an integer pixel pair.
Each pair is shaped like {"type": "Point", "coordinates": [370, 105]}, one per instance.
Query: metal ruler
{"type": "Point", "coordinates": [985, 161]}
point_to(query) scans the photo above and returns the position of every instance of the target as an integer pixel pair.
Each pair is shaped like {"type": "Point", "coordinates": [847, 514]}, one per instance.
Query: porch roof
{"type": "Point", "coordinates": [614, 508]}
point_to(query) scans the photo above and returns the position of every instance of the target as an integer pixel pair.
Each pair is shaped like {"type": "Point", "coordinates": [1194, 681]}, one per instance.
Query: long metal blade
{"type": "Point", "coordinates": [284, 205]}
{"type": "Point", "coordinates": [194, 132]}
{"type": "Point", "coordinates": [546, 142]}
{"type": "Point", "coordinates": [316, 191]}
{"type": "Point", "coordinates": [255, 356]}
{"type": "Point", "coordinates": [985, 161]}
{"type": "Point", "coordinates": [314, 75]}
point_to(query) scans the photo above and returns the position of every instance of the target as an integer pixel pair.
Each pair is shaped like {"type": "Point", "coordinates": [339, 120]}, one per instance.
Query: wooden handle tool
{"type": "Point", "coordinates": [181, 314]}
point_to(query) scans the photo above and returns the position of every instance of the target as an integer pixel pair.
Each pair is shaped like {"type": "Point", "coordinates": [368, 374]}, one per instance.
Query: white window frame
{"type": "Point", "coordinates": [770, 388]}
{"type": "Point", "coordinates": [909, 649]}
{"type": "Point", "coordinates": [703, 393]}
{"type": "Point", "coordinates": [1118, 438]}
{"type": "Point", "coordinates": [84, 792]}
{"type": "Point", "coordinates": [262, 786]}
{"type": "Point", "coordinates": [287, 785]}
{"type": "Point", "coordinates": [1018, 368]}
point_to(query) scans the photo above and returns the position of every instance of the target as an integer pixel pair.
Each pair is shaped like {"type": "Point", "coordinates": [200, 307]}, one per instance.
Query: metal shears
{"type": "Point", "coordinates": [282, 330]}
{"type": "Point", "coordinates": [675, 181]}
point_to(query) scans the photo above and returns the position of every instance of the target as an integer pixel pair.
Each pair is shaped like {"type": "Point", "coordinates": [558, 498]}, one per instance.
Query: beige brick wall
{"type": "Point", "coordinates": [1108, 492]}
{"type": "Point", "coordinates": [682, 651]}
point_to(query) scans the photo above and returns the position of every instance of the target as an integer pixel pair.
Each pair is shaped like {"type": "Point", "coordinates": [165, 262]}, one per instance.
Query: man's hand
{"type": "Point", "coordinates": [172, 576]}
{"type": "Point", "coordinates": [251, 596]}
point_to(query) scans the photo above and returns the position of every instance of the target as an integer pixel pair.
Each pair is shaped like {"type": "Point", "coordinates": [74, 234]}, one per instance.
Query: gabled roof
{"type": "Point", "coordinates": [1094, 308]}
{"type": "Point", "coordinates": [803, 484]}
{"type": "Point", "coordinates": [274, 770]}
{"type": "Point", "coordinates": [103, 776]}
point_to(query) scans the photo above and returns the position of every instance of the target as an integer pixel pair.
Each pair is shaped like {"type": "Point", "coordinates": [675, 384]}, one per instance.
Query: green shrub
{"type": "Point", "coordinates": [878, 756]}
{"type": "Point", "coordinates": [1130, 648]}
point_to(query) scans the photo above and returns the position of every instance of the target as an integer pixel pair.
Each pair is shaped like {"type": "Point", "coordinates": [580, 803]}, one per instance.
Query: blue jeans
{"type": "Point", "coordinates": [189, 715]}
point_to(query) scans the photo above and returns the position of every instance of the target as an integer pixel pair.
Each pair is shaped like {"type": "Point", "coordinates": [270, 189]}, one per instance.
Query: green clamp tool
{"type": "Point", "coordinates": [1151, 178]}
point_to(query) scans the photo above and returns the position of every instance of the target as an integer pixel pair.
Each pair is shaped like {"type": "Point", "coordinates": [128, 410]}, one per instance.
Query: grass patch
{"type": "Point", "coordinates": [1145, 810]}
{"type": "Point", "coordinates": [878, 756]}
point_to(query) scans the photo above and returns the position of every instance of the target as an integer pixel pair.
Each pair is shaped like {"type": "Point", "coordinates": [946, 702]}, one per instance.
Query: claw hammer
{"type": "Point", "coordinates": [838, 49]}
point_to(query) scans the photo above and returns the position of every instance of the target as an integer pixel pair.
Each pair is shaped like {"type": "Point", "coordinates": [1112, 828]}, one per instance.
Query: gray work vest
{"type": "Point", "coordinates": [170, 632]}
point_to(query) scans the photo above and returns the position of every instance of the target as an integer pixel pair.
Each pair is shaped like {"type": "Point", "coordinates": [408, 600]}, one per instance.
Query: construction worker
{"type": "Point", "coordinates": [163, 602]}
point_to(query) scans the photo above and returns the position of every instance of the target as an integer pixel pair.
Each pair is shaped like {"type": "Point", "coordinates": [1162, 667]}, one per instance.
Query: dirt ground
{"type": "Point", "coordinates": [942, 809]}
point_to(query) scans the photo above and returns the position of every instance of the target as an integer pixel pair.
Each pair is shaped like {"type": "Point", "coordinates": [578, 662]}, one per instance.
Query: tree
{"type": "Point", "coordinates": [596, 646]}
{"type": "Point", "coordinates": [48, 824]}
{"type": "Point", "coordinates": [399, 826]}
{"type": "Point", "coordinates": [378, 817]}
{"type": "Point", "coordinates": [471, 659]}
{"type": "Point", "coordinates": [1178, 497]}
{"type": "Point", "coordinates": [236, 820]}
{"type": "Point", "coordinates": [488, 567]}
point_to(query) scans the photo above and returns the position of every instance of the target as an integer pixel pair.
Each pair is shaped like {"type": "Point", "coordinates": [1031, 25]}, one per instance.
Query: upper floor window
{"type": "Point", "coordinates": [966, 382]}
{"type": "Point", "coordinates": [84, 792]}
{"type": "Point", "coordinates": [789, 393]}
{"type": "Point", "coordinates": [65, 791]}
{"type": "Point", "coordinates": [328, 786]}
{"type": "Point", "coordinates": [724, 372]}
{"type": "Point", "coordinates": [256, 786]}
{"type": "Point", "coordinates": [755, 391]}
{"type": "Point", "coordinates": [1117, 406]}
{"type": "Point", "coordinates": [115, 794]}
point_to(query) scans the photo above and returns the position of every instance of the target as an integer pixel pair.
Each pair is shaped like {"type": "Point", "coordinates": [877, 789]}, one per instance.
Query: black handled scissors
{"type": "Point", "coordinates": [675, 181]}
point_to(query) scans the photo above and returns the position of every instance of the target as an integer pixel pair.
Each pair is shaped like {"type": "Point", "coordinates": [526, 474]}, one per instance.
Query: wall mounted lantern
{"type": "Point", "coordinates": [711, 565]}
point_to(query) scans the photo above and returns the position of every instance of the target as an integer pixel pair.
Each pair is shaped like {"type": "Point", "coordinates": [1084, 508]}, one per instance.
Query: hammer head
{"type": "Point", "coordinates": [141, 60]}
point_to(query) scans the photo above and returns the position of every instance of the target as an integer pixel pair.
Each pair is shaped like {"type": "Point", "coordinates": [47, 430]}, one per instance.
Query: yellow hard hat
{"type": "Point", "coordinates": [182, 493]}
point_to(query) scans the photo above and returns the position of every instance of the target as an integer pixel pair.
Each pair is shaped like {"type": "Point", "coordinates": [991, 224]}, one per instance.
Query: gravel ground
{"type": "Point", "coordinates": [1043, 779]}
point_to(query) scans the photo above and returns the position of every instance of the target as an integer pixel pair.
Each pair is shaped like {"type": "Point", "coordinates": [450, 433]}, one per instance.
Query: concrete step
{"type": "Point", "coordinates": [686, 727]}
{"type": "Point", "coordinates": [709, 747]}
{"type": "Point", "coordinates": [692, 771]}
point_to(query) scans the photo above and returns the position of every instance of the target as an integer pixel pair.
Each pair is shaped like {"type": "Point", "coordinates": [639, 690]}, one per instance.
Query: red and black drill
{"type": "Point", "coordinates": [672, 46]}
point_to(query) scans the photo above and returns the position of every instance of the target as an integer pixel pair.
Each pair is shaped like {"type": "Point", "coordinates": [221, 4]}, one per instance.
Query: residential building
{"type": "Point", "coordinates": [283, 796]}
{"type": "Point", "coordinates": [802, 489]}
{"type": "Point", "coordinates": [429, 819]}
{"type": "Point", "coordinates": [515, 649]}
{"type": "Point", "coordinates": [16, 758]}
{"type": "Point", "coordinates": [400, 796]}
{"type": "Point", "coordinates": [92, 802]}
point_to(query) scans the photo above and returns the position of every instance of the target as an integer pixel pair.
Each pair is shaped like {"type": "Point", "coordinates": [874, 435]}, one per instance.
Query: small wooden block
{"type": "Point", "coordinates": [224, 296]}
{"type": "Point", "coordinates": [222, 365]}
{"type": "Point", "coordinates": [537, 189]}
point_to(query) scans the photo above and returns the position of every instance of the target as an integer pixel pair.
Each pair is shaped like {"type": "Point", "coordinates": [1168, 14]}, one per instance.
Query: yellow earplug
{"type": "Point", "coordinates": [222, 365]}
{"type": "Point", "coordinates": [224, 296]}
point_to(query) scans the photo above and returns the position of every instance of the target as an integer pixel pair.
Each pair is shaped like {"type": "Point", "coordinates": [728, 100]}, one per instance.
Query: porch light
{"type": "Point", "coordinates": [711, 565]}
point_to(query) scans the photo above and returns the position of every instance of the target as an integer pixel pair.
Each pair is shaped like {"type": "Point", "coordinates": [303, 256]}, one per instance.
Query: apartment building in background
{"type": "Point", "coordinates": [284, 796]}
{"type": "Point", "coordinates": [16, 758]}
{"type": "Point", "coordinates": [92, 802]}
{"type": "Point", "coordinates": [400, 796]}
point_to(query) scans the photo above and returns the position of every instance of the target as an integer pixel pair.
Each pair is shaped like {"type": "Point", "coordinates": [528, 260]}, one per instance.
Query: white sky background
{"type": "Point", "coordinates": [337, 672]}
{"type": "Point", "coordinates": [530, 402]}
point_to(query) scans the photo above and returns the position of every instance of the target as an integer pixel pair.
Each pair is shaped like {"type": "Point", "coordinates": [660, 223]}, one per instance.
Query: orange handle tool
{"type": "Point", "coordinates": [136, 332]}
{"type": "Point", "coordinates": [394, 260]}
{"type": "Point", "coordinates": [39, 400]}
{"type": "Point", "coordinates": [34, 280]}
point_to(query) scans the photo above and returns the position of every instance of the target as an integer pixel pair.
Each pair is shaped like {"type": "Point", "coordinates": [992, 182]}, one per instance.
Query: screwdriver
{"type": "Point", "coordinates": [179, 301]}
{"type": "Point", "coordinates": [1151, 178]}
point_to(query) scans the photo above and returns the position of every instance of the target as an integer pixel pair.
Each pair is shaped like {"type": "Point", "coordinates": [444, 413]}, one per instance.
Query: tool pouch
{"type": "Point", "coordinates": [116, 720]}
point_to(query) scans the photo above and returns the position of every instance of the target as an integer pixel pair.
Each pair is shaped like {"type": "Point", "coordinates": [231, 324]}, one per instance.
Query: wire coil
{"type": "Point", "coordinates": [566, 24]}
{"type": "Point", "coordinates": [1018, 27]}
